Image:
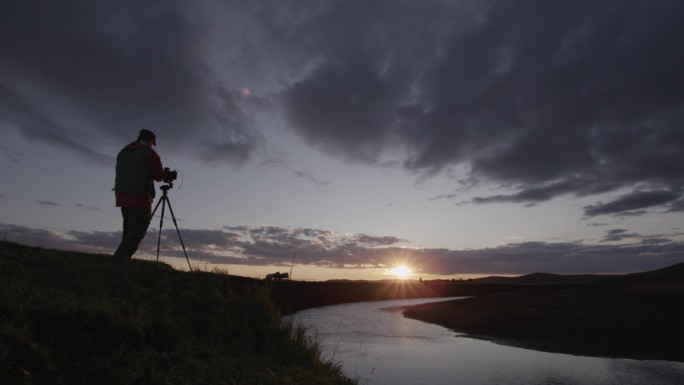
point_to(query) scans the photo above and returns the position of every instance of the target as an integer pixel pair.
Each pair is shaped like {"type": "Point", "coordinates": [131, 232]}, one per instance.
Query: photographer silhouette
{"type": "Point", "coordinates": [137, 167]}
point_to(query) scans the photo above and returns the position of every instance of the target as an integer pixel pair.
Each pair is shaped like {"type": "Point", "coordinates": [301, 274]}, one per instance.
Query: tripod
{"type": "Point", "coordinates": [165, 200]}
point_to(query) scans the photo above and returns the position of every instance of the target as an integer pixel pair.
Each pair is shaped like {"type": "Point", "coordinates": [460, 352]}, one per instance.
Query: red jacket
{"type": "Point", "coordinates": [137, 167]}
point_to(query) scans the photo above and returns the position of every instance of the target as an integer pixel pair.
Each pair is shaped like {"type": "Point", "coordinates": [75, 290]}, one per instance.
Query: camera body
{"type": "Point", "coordinates": [169, 175]}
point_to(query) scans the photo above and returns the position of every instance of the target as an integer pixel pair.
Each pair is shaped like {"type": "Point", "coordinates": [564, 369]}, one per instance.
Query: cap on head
{"type": "Point", "coordinates": [147, 136]}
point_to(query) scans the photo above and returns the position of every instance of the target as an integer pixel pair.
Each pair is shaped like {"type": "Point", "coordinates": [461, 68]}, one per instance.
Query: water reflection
{"type": "Point", "coordinates": [377, 345]}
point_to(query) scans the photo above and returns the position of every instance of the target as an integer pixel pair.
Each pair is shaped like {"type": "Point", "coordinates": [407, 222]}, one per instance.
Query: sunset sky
{"type": "Point", "coordinates": [461, 138]}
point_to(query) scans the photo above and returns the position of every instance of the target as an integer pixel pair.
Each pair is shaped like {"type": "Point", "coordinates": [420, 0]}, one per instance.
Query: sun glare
{"type": "Point", "coordinates": [402, 272]}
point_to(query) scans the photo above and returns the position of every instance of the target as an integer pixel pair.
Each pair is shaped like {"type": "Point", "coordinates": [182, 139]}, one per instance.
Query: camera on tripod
{"type": "Point", "coordinates": [169, 175]}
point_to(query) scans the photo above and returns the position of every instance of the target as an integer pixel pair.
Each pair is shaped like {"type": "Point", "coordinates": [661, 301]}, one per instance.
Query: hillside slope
{"type": "Point", "coordinates": [671, 275]}
{"type": "Point", "coordinates": [73, 318]}
{"type": "Point", "coordinates": [542, 279]}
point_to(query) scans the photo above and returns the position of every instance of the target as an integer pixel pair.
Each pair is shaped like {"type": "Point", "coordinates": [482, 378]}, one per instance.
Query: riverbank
{"type": "Point", "coordinates": [640, 320]}
{"type": "Point", "coordinates": [75, 318]}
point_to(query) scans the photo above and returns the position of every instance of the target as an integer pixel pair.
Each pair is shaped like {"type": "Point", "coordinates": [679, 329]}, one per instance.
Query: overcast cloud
{"type": "Point", "coordinates": [544, 98]}
{"type": "Point", "coordinates": [78, 72]}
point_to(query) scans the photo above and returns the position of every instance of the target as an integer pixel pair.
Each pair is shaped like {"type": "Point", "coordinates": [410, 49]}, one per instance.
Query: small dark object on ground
{"type": "Point", "coordinates": [277, 276]}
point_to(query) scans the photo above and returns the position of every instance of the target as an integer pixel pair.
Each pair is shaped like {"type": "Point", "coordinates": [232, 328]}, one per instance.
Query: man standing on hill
{"type": "Point", "coordinates": [137, 167]}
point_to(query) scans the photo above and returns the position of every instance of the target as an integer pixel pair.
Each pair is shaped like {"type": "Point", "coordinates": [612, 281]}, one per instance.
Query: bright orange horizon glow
{"type": "Point", "coordinates": [401, 271]}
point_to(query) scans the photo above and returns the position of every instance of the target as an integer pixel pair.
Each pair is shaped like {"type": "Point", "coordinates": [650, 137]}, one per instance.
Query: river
{"type": "Point", "coordinates": [375, 344]}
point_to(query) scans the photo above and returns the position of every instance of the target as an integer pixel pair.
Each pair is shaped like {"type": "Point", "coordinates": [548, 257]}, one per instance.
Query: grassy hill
{"type": "Point", "coordinates": [73, 318]}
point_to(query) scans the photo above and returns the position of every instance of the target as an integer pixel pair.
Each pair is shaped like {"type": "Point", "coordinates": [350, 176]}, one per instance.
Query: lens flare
{"type": "Point", "coordinates": [401, 272]}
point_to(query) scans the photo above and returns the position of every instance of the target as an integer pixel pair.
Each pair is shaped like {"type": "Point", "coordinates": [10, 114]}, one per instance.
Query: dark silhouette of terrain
{"type": "Point", "coordinates": [634, 316]}
{"type": "Point", "coordinates": [542, 279]}
{"type": "Point", "coordinates": [668, 275]}
{"type": "Point", "coordinates": [637, 315]}
{"type": "Point", "coordinates": [76, 318]}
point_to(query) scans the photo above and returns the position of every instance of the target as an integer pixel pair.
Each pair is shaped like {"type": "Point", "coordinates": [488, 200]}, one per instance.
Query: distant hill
{"type": "Point", "coordinates": [669, 275]}
{"type": "Point", "coordinates": [542, 279]}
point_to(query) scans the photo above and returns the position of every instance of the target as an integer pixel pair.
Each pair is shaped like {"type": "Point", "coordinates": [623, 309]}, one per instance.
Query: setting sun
{"type": "Point", "coordinates": [402, 272]}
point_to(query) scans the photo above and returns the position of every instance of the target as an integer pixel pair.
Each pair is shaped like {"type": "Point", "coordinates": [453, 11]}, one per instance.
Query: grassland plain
{"type": "Point", "coordinates": [75, 318]}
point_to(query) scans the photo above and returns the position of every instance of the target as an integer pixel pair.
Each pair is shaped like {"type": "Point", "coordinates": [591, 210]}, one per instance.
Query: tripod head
{"type": "Point", "coordinates": [166, 187]}
{"type": "Point", "coordinates": [169, 177]}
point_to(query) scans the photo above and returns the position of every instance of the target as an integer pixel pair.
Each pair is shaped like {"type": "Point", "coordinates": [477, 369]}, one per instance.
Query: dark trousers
{"type": "Point", "coordinates": [135, 223]}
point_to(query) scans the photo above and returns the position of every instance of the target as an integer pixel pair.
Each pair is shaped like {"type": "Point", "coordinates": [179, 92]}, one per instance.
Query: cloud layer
{"type": "Point", "coordinates": [78, 73]}
{"type": "Point", "coordinates": [620, 251]}
{"type": "Point", "coordinates": [545, 99]}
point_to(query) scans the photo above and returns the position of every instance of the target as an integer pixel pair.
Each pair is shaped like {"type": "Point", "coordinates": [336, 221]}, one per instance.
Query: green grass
{"type": "Point", "coordinates": [74, 318]}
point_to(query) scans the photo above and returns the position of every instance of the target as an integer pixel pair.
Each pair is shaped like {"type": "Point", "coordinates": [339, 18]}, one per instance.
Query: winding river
{"type": "Point", "coordinates": [375, 344]}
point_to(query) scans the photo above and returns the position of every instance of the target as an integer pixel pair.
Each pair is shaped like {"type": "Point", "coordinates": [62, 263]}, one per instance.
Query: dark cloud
{"type": "Point", "coordinates": [13, 156]}
{"type": "Point", "coordinates": [655, 240]}
{"type": "Point", "coordinates": [597, 224]}
{"type": "Point", "coordinates": [93, 208]}
{"type": "Point", "coordinates": [46, 203]}
{"type": "Point", "coordinates": [343, 109]}
{"type": "Point", "coordinates": [632, 203]}
{"type": "Point", "coordinates": [546, 100]}
{"type": "Point", "coordinates": [622, 235]}
{"type": "Point", "coordinates": [617, 235]}
{"type": "Point", "coordinates": [74, 73]}
{"type": "Point", "coordinates": [370, 241]}
{"type": "Point", "coordinates": [310, 177]}
{"type": "Point", "coordinates": [531, 194]}
{"type": "Point", "coordinates": [580, 98]}
{"type": "Point", "coordinates": [274, 246]}
{"type": "Point", "coordinates": [677, 205]}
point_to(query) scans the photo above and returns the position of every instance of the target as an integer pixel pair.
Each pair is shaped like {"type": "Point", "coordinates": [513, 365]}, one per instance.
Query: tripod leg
{"type": "Point", "coordinates": [161, 222]}
{"type": "Point", "coordinates": [173, 217]}
{"type": "Point", "coordinates": [155, 208]}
